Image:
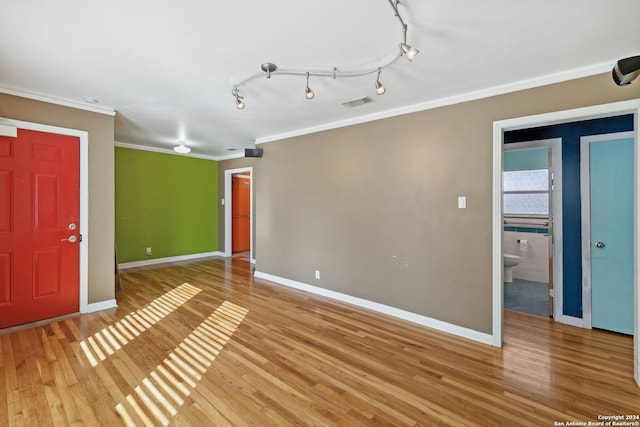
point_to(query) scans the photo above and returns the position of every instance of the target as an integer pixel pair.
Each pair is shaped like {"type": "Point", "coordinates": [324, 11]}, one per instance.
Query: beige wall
{"type": "Point", "coordinates": [374, 206]}
{"type": "Point", "coordinates": [101, 179]}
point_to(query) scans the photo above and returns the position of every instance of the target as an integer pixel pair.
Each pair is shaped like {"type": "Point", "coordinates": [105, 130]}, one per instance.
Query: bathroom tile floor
{"type": "Point", "coordinates": [527, 296]}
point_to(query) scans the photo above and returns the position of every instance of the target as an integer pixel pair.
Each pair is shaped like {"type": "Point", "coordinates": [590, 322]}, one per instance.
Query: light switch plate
{"type": "Point", "coordinates": [462, 202]}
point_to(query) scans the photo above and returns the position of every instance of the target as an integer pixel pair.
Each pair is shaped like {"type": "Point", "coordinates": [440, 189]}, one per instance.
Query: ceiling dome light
{"type": "Point", "coordinates": [409, 51]}
{"type": "Point", "coordinates": [307, 91]}
{"type": "Point", "coordinates": [380, 89]}
{"type": "Point", "coordinates": [182, 149]}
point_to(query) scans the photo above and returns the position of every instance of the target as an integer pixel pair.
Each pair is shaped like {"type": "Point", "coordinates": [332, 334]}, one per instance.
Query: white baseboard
{"type": "Point", "coordinates": [102, 305]}
{"type": "Point", "coordinates": [381, 308]}
{"type": "Point", "coordinates": [572, 321]}
{"type": "Point", "coordinates": [145, 262]}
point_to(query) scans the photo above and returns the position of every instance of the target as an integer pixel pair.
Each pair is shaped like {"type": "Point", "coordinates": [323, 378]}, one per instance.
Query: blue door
{"type": "Point", "coordinates": [611, 212]}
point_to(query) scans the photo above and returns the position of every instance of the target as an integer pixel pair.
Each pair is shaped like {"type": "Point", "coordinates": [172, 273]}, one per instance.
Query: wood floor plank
{"type": "Point", "coordinates": [12, 411]}
{"type": "Point", "coordinates": [35, 409]}
{"type": "Point", "coordinates": [272, 356]}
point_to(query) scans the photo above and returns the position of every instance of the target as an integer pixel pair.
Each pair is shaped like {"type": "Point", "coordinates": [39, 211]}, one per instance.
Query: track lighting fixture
{"type": "Point", "coordinates": [239, 99]}
{"type": "Point", "coordinates": [410, 52]}
{"type": "Point", "coordinates": [380, 89]}
{"type": "Point", "coordinates": [308, 92]}
{"type": "Point", "coordinates": [271, 69]}
{"type": "Point", "coordinates": [182, 148]}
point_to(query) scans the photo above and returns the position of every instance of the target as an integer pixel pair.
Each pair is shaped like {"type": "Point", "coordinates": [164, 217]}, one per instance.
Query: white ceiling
{"type": "Point", "coordinates": [167, 68]}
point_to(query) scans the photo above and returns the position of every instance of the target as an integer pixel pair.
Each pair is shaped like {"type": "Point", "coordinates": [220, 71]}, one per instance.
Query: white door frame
{"type": "Point", "coordinates": [567, 116]}
{"type": "Point", "coordinates": [227, 210]}
{"type": "Point", "coordinates": [556, 206]}
{"type": "Point", "coordinates": [84, 197]}
{"type": "Point", "coordinates": [585, 201]}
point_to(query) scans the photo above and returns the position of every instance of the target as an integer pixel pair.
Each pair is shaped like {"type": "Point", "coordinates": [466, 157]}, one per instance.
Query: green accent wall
{"type": "Point", "coordinates": [166, 202]}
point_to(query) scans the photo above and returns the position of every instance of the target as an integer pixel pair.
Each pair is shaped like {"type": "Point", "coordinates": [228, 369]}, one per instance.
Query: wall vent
{"type": "Point", "coordinates": [358, 102]}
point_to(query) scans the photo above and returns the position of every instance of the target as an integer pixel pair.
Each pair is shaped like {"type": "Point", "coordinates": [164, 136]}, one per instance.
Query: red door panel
{"type": "Point", "coordinates": [46, 272]}
{"type": "Point", "coordinates": [241, 239]}
{"type": "Point", "coordinates": [39, 191]}
{"type": "Point", "coordinates": [6, 201]}
{"type": "Point", "coordinates": [6, 262]}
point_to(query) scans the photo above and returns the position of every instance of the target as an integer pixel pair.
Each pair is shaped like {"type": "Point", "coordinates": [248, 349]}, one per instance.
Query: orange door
{"type": "Point", "coordinates": [241, 214]}
{"type": "Point", "coordinates": [39, 226]}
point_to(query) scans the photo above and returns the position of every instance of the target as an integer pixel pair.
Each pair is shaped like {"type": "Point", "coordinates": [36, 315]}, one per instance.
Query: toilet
{"type": "Point", "coordinates": [510, 261]}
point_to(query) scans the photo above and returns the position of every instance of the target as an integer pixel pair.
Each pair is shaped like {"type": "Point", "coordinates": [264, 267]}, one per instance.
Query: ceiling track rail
{"type": "Point", "coordinates": [269, 69]}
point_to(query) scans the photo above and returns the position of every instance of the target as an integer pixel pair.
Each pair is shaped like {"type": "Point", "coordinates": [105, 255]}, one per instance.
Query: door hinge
{"type": "Point", "coordinates": [80, 237]}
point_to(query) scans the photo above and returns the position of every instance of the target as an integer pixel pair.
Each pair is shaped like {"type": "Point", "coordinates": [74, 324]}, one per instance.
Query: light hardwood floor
{"type": "Point", "coordinates": [202, 344]}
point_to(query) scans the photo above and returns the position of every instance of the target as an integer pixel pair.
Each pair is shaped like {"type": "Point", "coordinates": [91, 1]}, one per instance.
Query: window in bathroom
{"type": "Point", "coordinates": [526, 192]}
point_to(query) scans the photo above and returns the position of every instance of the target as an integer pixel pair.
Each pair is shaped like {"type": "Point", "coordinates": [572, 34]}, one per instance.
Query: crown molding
{"type": "Point", "coordinates": [232, 156]}
{"type": "Point", "coordinates": [59, 101]}
{"type": "Point", "coordinates": [170, 151]}
{"type": "Point", "coordinates": [456, 99]}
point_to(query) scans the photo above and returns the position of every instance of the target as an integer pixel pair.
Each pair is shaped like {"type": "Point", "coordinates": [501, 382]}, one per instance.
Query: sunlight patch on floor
{"type": "Point", "coordinates": [160, 394]}
{"type": "Point", "coordinates": [111, 339]}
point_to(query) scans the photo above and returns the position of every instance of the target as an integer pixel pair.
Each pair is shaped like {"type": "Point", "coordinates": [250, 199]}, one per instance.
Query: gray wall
{"type": "Point", "coordinates": [374, 206]}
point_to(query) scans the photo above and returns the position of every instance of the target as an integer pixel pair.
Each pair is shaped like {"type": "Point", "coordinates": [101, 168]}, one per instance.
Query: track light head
{"type": "Point", "coordinates": [307, 91]}
{"type": "Point", "coordinates": [408, 51]}
{"type": "Point", "coordinates": [380, 89]}
{"type": "Point", "coordinates": [239, 99]}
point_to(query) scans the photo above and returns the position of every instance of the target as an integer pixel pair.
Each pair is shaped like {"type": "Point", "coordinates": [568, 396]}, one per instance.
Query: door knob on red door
{"type": "Point", "coordinates": [71, 239]}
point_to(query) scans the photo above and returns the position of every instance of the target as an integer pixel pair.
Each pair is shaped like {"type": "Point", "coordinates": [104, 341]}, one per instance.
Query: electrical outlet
{"type": "Point", "coordinates": [317, 274]}
{"type": "Point", "coordinates": [148, 251]}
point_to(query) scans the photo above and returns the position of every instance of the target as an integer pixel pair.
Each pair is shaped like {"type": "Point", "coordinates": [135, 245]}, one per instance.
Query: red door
{"type": "Point", "coordinates": [241, 214]}
{"type": "Point", "coordinates": [39, 226]}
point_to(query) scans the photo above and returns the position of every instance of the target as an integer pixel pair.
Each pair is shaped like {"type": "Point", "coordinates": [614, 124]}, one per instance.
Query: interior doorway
{"type": "Point", "coordinates": [239, 212]}
{"type": "Point", "coordinates": [532, 232]}
{"type": "Point", "coordinates": [632, 108]}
